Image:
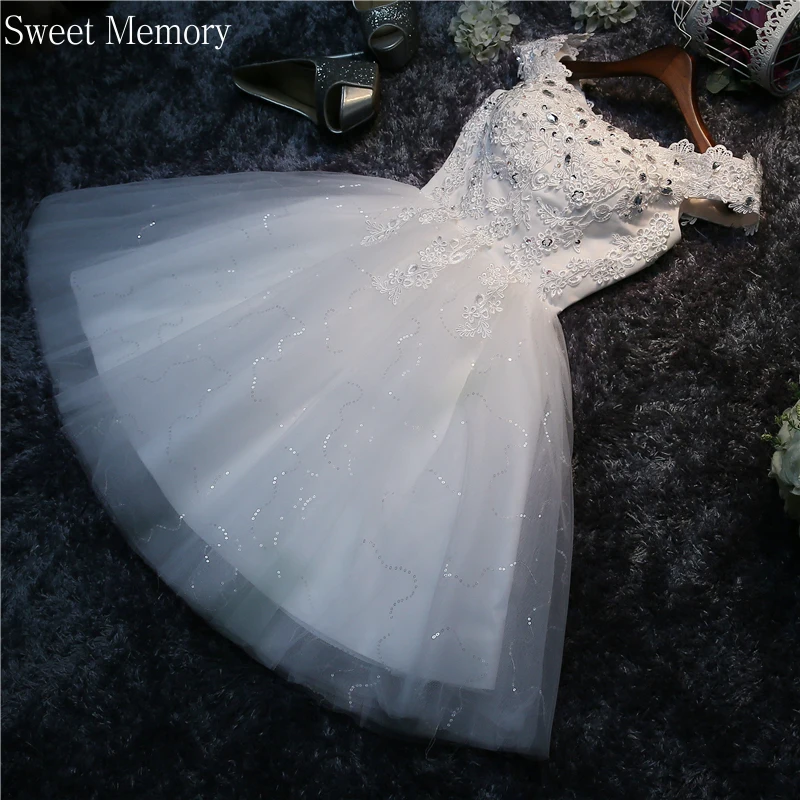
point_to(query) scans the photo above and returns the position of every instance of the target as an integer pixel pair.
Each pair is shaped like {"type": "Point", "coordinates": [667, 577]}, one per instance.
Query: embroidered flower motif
{"type": "Point", "coordinates": [501, 227]}
{"type": "Point", "coordinates": [639, 246]}
{"type": "Point", "coordinates": [493, 303]}
{"type": "Point", "coordinates": [434, 253]}
{"type": "Point", "coordinates": [392, 284]}
{"type": "Point", "coordinates": [601, 212]}
{"type": "Point", "coordinates": [476, 319]}
{"type": "Point", "coordinates": [379, 233]}
{"type": "Point", "coordinates": [606, 271]}
{"type": "Point", "coordinates": [422, 278]}
{"type": "Point", "coordinates": [546, 243]}
{"type": "Point", "coordinates": [491, 277]}
{"type": "Point", "coordinates": [476, 313]}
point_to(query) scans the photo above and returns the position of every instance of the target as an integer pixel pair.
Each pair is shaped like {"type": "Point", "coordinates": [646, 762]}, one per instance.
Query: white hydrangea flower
{"type": "Point", "coordinates": [482, 30]}
{"type": "Point", "coordinates": [603, 14]}
{"type": "Point", "coordinates": [785, 467]}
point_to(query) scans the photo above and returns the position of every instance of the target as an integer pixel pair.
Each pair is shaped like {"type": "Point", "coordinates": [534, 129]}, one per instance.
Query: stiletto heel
{"type": "Point", "coordinates": [391, 30]}
{"type": "Point", "coordinates": [335, 92]}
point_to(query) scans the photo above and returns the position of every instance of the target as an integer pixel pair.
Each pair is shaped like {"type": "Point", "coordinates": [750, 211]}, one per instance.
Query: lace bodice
{"type": "Point", "coordinates": [561, 200]}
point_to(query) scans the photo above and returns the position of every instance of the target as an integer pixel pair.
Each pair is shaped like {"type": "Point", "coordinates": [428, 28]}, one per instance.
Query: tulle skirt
{"type": "Point", "coordinates": [370, 504]}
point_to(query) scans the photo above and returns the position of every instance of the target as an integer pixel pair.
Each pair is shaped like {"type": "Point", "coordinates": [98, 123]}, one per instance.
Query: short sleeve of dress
{"type": "Point", "coordinates": [543, 56]}
{"type": "Point", "coordinates": [718, 175]}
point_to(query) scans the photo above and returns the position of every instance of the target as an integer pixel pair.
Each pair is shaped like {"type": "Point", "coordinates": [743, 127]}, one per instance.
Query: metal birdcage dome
{"type": "Point", "coordinates": [759, 39]}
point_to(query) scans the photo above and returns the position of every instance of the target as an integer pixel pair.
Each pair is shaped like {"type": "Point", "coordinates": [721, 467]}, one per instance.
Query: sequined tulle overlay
{"type": "Point", "coordinates": [351, 452]}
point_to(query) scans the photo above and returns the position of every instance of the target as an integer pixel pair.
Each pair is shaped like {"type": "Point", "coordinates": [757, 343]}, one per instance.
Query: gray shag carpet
{"type": "Point", "coordinates": [681, 674]}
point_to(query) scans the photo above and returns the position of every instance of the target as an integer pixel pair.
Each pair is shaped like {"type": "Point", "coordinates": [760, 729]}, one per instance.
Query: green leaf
{"type": "Point", "coordinates": [717, 81]}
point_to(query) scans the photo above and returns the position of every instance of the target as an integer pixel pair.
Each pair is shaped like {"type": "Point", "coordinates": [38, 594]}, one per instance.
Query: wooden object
{"type": "Point", "coordinates": [671, 65]}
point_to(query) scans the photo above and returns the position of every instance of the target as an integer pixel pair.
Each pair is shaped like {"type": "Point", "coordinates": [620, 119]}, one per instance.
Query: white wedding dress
{"type": "Point", "coordinates": [333, 412]}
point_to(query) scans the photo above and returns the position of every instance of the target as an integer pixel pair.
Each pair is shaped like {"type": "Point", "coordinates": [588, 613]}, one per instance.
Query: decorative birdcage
{"type": "Point", "coordinates": [758, 39]}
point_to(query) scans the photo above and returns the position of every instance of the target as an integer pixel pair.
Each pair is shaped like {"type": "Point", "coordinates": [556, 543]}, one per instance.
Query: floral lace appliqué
{"type": "Point", "coordinates": [533, 169]}
{"type": "Point", "coordinates": [628, 252]}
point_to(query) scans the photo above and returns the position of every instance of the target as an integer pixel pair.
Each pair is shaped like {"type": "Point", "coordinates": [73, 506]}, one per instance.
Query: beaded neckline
{"type": "Point", "coordinates": [540, 62]}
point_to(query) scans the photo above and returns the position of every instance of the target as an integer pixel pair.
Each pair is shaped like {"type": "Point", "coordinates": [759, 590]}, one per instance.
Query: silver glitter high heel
{"type": "Point", "coordinates": [335, 92]}
{"type": "Point", "coordinates": [391, 30]}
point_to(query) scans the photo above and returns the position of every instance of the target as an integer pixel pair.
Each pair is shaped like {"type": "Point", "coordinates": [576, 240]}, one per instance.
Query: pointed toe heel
{"type": "Point", "coordinates": [338, 93]}
{"type": "Point", "coordinates": [391, 31]}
